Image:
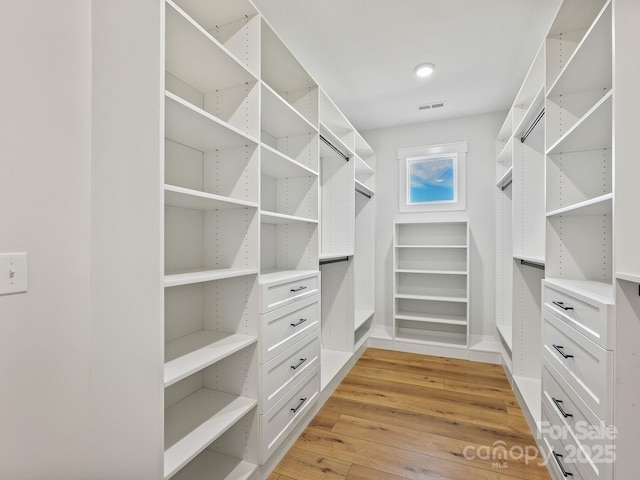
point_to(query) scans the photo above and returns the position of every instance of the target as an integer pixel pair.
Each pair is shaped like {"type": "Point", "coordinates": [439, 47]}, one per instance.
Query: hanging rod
{"type": "Point", "coordinates": [335, 149]}
{"type": "Point", "coordinates": [532, 264]}
{"type": "Point", "coordinates": [363, 193]}
{"type": "Point", "coordinates": [334, 260]}
{"type": "Point", "coordinates": [506, 185]}
{"type": "Point", "coordinates": [533, 125]}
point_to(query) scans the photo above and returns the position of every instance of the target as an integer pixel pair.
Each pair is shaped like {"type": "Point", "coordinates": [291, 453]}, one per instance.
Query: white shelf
{"type": "Point", "coordinates": [506, 130]}
{"type": "Point", "coordinates": [431, 272]}
{"type": "Point", "coordinates": [334, 122]}
{"type": "Point", "coordinates": [197, 58]}
{"type": "Point", "coordinates": [432, 318]}
{"type": "Point", "coordinates": [531, 392]}
{"type": "Point", "coordinates": [506, 333]}
{"type": "Point", "coordinates": [278, 165]}
{"type": "Point", "coordinates": [334, 255]}
{"type": "Point", "coordinates": [276, 275]}
{"type": "Point", "coordinates": [596, 206]}
{"type": "Point", "coordinates": [527, 258]}
{"type": "Point", "coordinates": [364, 189]}
{"type": "Point", "coordinates": [362, 167]}
{"type": "Point", "coordinates": [433, 338]}
{"type": "Point", "coordinates": [193, 423]}
{"type": "Point", "coordinates": [583, 289]}
{"type": "Point", "coordinates": [187, 198]}
{"type": "Point", "coordinates": [334, 139]}
{"type": "Point", "coordinates": [360, 317]}
{"type": "Point", "coordinates": [280, 69]}
{"type": "Point", "coordinates": [537, 106]}
{"type": "Point", "coordinates": [279, 119]}
{"type": "Point", "coordinates": [440, 294]}
{"type": "Point", "coordinates": [210, 465]}
{"type": "Point", "coordinates": [431, 246]}
{"type": "Point", "coordinates": [591, 132]}
{"type": "Point", "coordinates": [281, 218]}
{"type": "Point", "coordinates": [332, 363]}
{"type": "Point", "coordinates": [363, 149]}
{"type": "Point", "coordinates": [594, 49]}
{"type": "Point", "coordinates": [200, 275]}
{"type": "Point", "coordinates": [191, 353]}
{"type": "Point", "coordinates": [192, 126]}
{"type": "Point", "coordinates": [481, 343]}
{"type": "Point", "coordinates": [506, 179]}
{"type": "Point", "coordinates": [629, 277]}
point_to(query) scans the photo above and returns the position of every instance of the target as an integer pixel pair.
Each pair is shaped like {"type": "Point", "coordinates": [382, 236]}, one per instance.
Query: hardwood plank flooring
{"type": "Point", "coordinates": [403, 416]}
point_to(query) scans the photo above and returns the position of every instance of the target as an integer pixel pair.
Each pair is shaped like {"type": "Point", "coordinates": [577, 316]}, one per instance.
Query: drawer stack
{"type": "Point", "coordinates": [577, 382]}
{"type": "Point", "coordinates": [289, 355]}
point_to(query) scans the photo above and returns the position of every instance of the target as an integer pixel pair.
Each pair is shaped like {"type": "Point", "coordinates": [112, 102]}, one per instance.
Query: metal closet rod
{"type": "Point", "coordinates": [532, 264]}
{"type": "Point", "coordinates": [334, 260]}
{"type": "Point", "coordinates": [506, 185]}
{"type": "Point", "coordinates": [533, 125]}
{"type": "Point", "coordinates": [334, 148]}
{"type": "Point", "coordinates": [363, 193]}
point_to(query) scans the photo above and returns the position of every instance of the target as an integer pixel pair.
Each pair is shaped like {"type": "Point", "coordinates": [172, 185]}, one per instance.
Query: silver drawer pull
{"type": "Point", "coordinates": [561, 352]}
{"type": "Point", "coordinates": [562, 306]}
{"type": "Point", "coordinates": [301, 287]}
{"type": "Point", "coordinates": [557, 456]}
{"type": "Point", "coordinates": [299, 322]}
{"type": "Point", "coordinates": [295, 367]}
{"type": "Point", "coordinates": [559, 407]}
{"type": "Point", "coordinates": [302, 400]}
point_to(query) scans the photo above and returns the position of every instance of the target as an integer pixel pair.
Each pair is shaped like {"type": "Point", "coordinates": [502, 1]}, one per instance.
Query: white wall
{"type": "Point", "coordinates": [480, 132]}
{"type": "Point", "coordinates": [80, 191]}
{"type": "Point", "coordinates": [45, 151]}
{"type": "Point", "coordinates": [126, 401]}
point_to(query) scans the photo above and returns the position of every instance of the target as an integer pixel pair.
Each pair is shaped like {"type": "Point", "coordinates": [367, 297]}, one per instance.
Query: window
{"type": "Point", "coordinates": [432, 177]}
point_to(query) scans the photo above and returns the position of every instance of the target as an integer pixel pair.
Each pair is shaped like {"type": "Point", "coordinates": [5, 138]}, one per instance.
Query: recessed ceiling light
{"type": "Point", "coordinates": [424, 69]}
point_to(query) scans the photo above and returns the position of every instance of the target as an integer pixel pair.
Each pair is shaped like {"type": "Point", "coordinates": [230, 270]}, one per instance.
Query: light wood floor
{"type": "Point", "coordinates": [403, 416]}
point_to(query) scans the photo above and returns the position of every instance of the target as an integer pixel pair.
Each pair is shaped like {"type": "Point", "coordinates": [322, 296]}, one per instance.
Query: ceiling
{"type": "Point", "coordinates": [363, 52]}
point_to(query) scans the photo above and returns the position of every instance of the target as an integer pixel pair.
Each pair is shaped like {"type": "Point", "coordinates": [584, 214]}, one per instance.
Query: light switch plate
{"type": "Point", "coordinates": [13, 273]}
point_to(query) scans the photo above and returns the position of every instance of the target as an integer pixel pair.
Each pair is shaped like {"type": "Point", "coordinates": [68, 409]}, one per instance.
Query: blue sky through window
{"type": "Point", "coordinates": [431, 180]}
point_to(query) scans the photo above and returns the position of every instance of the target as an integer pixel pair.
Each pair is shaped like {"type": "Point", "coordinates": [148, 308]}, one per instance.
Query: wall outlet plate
{"type": "Point", "coordinates": [13, 273]}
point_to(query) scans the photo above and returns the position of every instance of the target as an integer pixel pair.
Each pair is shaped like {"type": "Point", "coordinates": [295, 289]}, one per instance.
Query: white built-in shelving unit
{"type": "Point", "coordinates": [253, 200]}
{"type": "Point", "coordinates": [347, 178]}
{"type": "Point", "coordinates": [520, 236]}
{"type": "Point", "coordinates": [431, 283]}
{"type": "Point", "coordinates": [364, 262]}
{"type": "Point", "coordinates": [211, 220]}
{"type": "Point", "coordinates": [576, 362]}
{"type": "Point", "coordinates": [578, 290]}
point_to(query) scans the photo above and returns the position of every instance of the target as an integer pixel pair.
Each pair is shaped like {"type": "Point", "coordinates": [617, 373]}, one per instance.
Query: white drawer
{"type": "Point", "coordinates": [283, 327]}
{"type": "Point", "coordinates": [278, 293]}
{"type": "Point", "coordinates": [279, 375]}
{"type": "Point", "coordinates": [585, 366]}
{"type": "Point", "coordinates": [590, 317]}
{"type": "Point", "coordinates": [570, 418]}
{"type": "Point", "coordinates": [276, 424]}
{"type": "Point", "coordinates": [562, 461]}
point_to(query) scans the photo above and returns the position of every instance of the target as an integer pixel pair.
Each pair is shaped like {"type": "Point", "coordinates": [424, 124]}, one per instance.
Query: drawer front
{"type": "Point", "coordinates": [570, 418]}
{"type": "Point", "coordinates": [591, 318]}
{"type": "Point", "coordinates": [283, 327]}
{"type": "Point", "coordinates": [276, 424]}
{"type": "Point", "coordinates": [276, 295]}
{"type": "Point", "coordinates": [561, 461]}
{"type": "Point", "coordinates": [583, 461]}
{"type": "Point", "coordinates": [280, 374]}
{"type": "Point", "coordinates": [585, 366]}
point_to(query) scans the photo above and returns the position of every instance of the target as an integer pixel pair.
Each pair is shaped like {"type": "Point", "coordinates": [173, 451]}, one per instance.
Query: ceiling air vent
{"type": "Point", "coordinates": [430, 106]}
